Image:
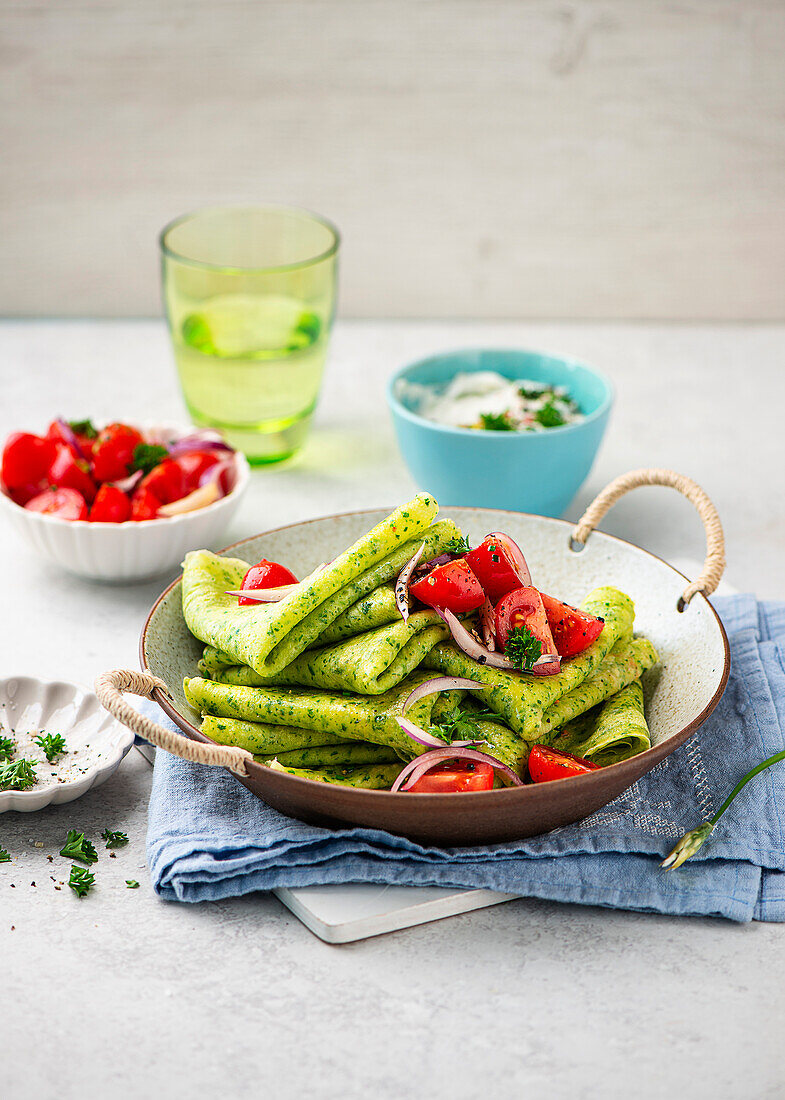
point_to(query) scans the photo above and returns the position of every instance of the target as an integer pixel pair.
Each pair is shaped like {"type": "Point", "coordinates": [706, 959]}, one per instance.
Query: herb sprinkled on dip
{"type": "Point", "coordinates": [487, 401]}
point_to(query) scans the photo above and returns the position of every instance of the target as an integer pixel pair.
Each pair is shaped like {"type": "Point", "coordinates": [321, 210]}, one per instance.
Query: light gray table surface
{"type": "Point", "coordinates": [123, 995]}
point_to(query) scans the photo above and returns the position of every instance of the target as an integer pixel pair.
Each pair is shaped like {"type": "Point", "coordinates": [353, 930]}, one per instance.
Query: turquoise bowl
{"type": "Point", "coordinates": [537, 472]}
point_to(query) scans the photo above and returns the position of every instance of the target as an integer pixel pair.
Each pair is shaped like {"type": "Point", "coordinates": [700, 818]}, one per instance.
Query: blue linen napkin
{"type": "Point", "coordinates": [210, 838]}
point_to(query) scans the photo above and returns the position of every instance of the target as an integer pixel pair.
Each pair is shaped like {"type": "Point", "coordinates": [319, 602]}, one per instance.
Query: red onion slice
{"type": "Point", "coordinates": [470, 646]}
{"type": "Point", "coordinates": [69, 436]}
{"type": "Point", "coordinates": [424, 738]}
{"type": "Point", "coordinates": [128, 484]}
{"type": "Point", "coordinates": [487, 624]}
{"type": "Point", "coordinates": [402, 583]}
{"type": "Point", "coordinates": [192, 502]}
{"type": "Point", "coordinates": [194, 443]}
{"type": "Point", "coordinates": [439, 683]}
{"type": "Point", "coordinates": [515, 554]}
{"type": "Point", "coordinates": [547, 665]}
{"type": "Point", "coordinates": [416, 768]}
{"type": "Point", "coordinates": [263, 595]}
{"type": "Point", "coordinates": [215, 474]}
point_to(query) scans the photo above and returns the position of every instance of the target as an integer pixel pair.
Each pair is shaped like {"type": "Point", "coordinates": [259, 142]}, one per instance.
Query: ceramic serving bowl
{"type": "Point", "coordinates": [95, 741]}
{"type": "Point", "coordinates": [131, 551]}
{"type": "Point", "coordinates": [528, 471]}
{"type": "Point", "coordinates": [680, 693]}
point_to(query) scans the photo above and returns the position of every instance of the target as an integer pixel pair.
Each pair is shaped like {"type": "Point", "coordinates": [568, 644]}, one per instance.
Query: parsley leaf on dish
{"type": "Point", "coordinates": [18, 776]}
{"type": "Point", "coordinates": [146, 457]}
{"type": "Point", "coordinates": [7, 747]}
{"type": "Point", "coordinates": [5, 857]}
{"type": "Point", "coordinates": [83, 427]}
{"type": "Point", "coordinates": [77, 847]}
{"type": "Point", "coordinates": [114, 840]}
{"type": "Point", "coordinates": [81, 880]}
{"type": "Point", "coordinates": [132, 884]}
{"type": "Point", "coordinates": [458, 546]}
{"type": "Point", "coordinates": [492, 422]}
{"type": "Point", "coordinates": [459, 727]}
{"type": "Point", "coordinates": [522, 648]}
{"type": "Point", "coordinates": [53, 744]}
{"type": "Point", "coordinates": [549, 416]}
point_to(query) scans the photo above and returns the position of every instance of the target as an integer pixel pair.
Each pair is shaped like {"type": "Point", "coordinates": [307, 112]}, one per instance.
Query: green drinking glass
{"type": "Point", "coordinates": [249, 293]}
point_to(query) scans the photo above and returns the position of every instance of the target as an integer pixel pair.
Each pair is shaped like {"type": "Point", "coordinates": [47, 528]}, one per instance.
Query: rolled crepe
{"type": "Point", "coordinates": [521, 699]}
{"type": "Point", "coordinates": [342, 756]}
{"type": "Point", "coordinates": [379, 777]}
{"type": "Point", "coordinates": [623, 665]}
{"type": "Point", "coordinates": [368, 664]}
{"type": "Point", "coordinates": [616, 730]}
{"type": "Point", "coordinates": [267, 637]}
{"type": "Point", "coordinates": [357, 717]}
{"type": "Point", "coordinates": [265, 738]}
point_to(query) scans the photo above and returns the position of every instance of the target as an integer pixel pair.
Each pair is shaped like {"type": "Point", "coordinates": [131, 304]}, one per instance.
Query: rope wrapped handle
{"type": "Point", "coordinates": [110, 688]}
{"type": "Point", "coordinates": [713, 566]}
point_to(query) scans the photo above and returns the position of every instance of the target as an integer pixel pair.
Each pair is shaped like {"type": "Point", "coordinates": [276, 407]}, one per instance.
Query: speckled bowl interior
{"type": "Point", "coordinates": [680, 692]}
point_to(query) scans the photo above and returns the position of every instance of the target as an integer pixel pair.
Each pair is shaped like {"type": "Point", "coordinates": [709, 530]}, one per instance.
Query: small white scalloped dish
{"type": "Point", "coordinates": [96, 743]}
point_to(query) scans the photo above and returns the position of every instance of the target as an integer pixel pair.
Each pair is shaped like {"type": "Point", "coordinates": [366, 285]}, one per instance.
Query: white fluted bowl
{"type": "Point", "coordinates": [95, 742]}
{"type": "Point", "coordinates": [131, 551]}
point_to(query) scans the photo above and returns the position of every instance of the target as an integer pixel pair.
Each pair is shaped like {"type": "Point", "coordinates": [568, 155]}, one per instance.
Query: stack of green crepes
{"type": "Point", "coordinates": [314, 683]}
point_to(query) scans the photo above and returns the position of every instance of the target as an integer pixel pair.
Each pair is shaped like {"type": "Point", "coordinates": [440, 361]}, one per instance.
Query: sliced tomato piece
{"type": "Point", "coordinates": [26, 459]}
{"type": "Point", "coordinates": [111, 505]}
{"type": "Point", "coordinates": [546, 763]}
{"type": "Point", "coordinates": [69, 472]}
{"type": "Point", "coordinates": [193, 465]}
{"type": "Point", "coordinates": [63, 503]}
{"type": "Point", "coordinates": [113, 452]}
{"type": "Point", "coordinates": [498, 565]}
{"type": "Point", "coordinates": [166, 482]}
{"type": "Point", "coordinates": [523, 607]}
{"type": "Point", "coordinates": [455, 777]}
{"type": "Point", "coordinates": [265, 574]}
{"type": "Point", "coordinates": [452, 586]}
{"type": "Point", "coordinates": [144, 504]}
{"type": "Point", "coordinates": [573, 630]}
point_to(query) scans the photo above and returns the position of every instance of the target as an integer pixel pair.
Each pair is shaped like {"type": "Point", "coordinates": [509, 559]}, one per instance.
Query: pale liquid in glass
{"type": "Point", "coordinates": [251, 367]}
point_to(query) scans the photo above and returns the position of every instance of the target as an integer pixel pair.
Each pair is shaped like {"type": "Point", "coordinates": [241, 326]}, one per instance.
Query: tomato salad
{"type": "Point", "coordinates": [116, 474]}
{"type": "Point", "coordinates": [511, 625]}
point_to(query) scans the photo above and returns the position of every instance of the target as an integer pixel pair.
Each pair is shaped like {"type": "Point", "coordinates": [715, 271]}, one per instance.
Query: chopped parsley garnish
{"type": "Point", "coordinates": [5, 857]}
{"type": "Point", "coordinates": [19, 776]}
{"type": "Point", "coordinates": [114, 840]}
{"type": "Point", "coordinates": [458, 727]}
{"type": "Point", "coordinates": [83, 427]}
{"type": "Point", "coordinates": [458, 546]}
{"type": "Point", "coordinates": [531, 393]}
{"type": "Point", "coordinates": [81, 880]}
{"type": "Point", "coordinates": [7, 747]}
{"type": "Point", "coordinates": [132, 884]}
{"type": "Point", "coordinates": [522, 648]}
{"type": "Point", "coordinates": [492, 422]}
{"type": "Point", "coordinates": [549, 416]}
{"type": "Point", "coordinates": [53, 744]}
{"type": "Point", "coordinates": [77, 847]}
{"type": "Point", "coordinates": [146, 457]}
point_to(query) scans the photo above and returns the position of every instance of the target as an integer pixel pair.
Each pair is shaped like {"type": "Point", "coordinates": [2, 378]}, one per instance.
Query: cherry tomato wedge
{"type": "Point", "coordinates": [265, 574]}
{"type": "Point", "coordinates": [498, 565]}
{"type": "Point", "coordinates": [573, 630]}
{"type": "Point", "coordinates": [523, 607]}
{"type": "Point", "coordinates": [111, 505]}
{"type": "Point", "coordinates": [63, 503]}
{"type": "Point", "coordinates": [113, 452]}
{"type": "Point", "coordinates": [166, 482]}
{"type": "Point", "coordinates": [144, 504]}
{"type": "Point", "coordinates": [546, 764]}
{"type": "Point", "coordinates": [453, 586]}
{"type": "Point", "coordinates": [69, 472]}
{"type": "Point", "coordinates": [455, 777]}
{"type": "Point", "coordinates": [193, 465]}
{"type": "Point", "coordinates": [26, 459]}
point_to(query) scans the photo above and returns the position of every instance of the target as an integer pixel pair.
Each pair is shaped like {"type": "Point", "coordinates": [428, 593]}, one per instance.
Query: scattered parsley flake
{"type": "Point", "coordinates": [132, 884]}
{"type": "Point", "coordinates": [81, 880]}
{"type": "Point", "coordinates": [53, 744]}
{"type": "Point", "coordinates": [5, 857]}
{"type": "Point", "coordinates": [83, 427]}
{"type": "Point", "coordinates": [114, 840]}
{"type": "Point", "coordinates": [522, 648]}
{"type": "Point", "coordinates": [146, 457]}
{"type": "Point", "coordinates": [19, 776]}
{"type": "Point", "coordinates": [549, 416]}
{"type": "Point", "coordinates": [7, 747]}
{"type": "Point", "coordinates": [493, 422]}
{"type": "Point", "coordinates": [77, 847]}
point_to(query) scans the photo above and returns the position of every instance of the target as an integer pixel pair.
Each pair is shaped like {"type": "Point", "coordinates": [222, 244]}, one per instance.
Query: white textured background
{"type": "Point", "coordinates": [518, 158]}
